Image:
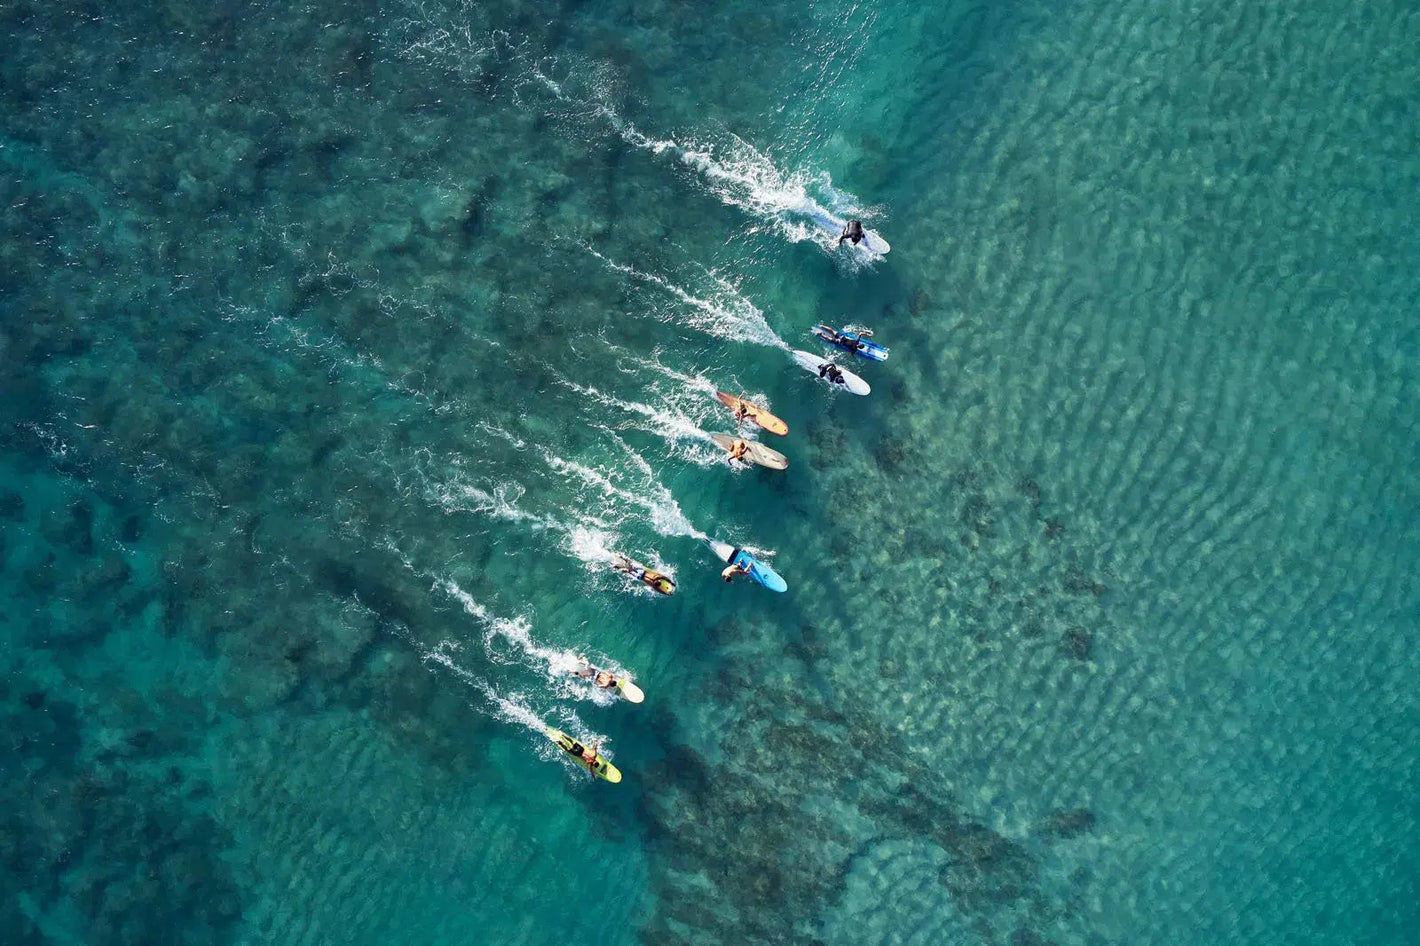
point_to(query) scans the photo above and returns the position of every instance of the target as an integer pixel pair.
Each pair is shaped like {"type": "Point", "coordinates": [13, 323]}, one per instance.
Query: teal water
{"type": "Point", "coordinates": [342, 343]}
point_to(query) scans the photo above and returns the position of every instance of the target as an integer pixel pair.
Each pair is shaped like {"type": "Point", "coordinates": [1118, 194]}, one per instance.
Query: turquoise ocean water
{"type": "Point", "coordinates": [341, 344]}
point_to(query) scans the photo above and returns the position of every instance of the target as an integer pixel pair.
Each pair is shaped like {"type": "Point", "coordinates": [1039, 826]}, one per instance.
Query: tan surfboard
{"type": "Point", "coordinates": [754, 452]}
{"type": "Point", "coordinates": [754, 413]}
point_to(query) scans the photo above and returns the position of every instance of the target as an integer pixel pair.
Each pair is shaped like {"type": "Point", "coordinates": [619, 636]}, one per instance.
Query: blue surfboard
{"type": "Point", "coordinates": [852, 342]}
{"type": "Point", "coordinates": [759, 571]}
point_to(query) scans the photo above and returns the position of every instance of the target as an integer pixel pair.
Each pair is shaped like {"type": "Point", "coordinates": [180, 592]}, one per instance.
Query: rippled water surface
{"type": "Point", "coordinates": [343, 344]}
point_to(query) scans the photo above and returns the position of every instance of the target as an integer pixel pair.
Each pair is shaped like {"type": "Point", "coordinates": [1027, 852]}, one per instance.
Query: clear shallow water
{"type": "Point", "coordinates": [328, 339]}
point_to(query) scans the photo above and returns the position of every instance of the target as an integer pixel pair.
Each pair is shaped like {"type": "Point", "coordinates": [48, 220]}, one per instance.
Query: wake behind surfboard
{"type": "Point", "coordinates": [832, 225]}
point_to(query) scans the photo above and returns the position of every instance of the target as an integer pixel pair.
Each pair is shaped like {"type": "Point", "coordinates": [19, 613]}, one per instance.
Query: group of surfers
{"type": "Point", "coordinates": [830, 372]}
{"type": "Point", "coordinates": [663, 583]}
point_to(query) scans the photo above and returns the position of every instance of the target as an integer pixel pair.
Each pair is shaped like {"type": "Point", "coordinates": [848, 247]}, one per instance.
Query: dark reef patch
{"type": "Point", "coordinates": [12, 506]}
{"type": "Point", "coordinates": [791, 858]}
{"type": "Point", "coordinates": [1078, 642]}
{"type": "Point", "coordinates": [1067, 823]}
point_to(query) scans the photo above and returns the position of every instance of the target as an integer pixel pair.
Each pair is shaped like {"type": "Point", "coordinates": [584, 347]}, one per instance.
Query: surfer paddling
{"type": "Point", "coordinates": [854, 232]}
{"type": "Point", "coordinates": [600, 678]}
{"type": "Point", "coordinates": [658, 581]}
{"type": "Point", "coordinates": [735, 568]}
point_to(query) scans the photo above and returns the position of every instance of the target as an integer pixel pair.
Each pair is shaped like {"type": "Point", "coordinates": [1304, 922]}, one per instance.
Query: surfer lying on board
{"type": "Point", "coordinates": [660, 582]}
{"type": "Point", "coordinates": [829, 372]}
{"type": "Point", "coordinates": [741, 411]}
{"type": "Point", "coordinates": [738, 449]}
{"type": "Point", "coordinates": [738, 568]}
{"type": "Point", "coordinates": [601, 678]}
{"type": "Point", "coordinates": [854, 232]}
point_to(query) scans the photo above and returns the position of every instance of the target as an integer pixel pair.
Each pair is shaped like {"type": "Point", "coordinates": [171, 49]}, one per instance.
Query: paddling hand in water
{"type": "Point", "coordinates": [854, 232]}
{"type": "Point", "coordinates": [736, 569]}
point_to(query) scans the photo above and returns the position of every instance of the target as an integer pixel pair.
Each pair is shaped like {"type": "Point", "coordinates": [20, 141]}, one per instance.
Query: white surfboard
{"type": "Point", "coordinates": [872, 242]}
{"type": "Point", "coordinates": [813, 363]}
{"type": "Point", "coordinates": [630, 690]}
{"type": "Point", "coordinates": [754, 452]}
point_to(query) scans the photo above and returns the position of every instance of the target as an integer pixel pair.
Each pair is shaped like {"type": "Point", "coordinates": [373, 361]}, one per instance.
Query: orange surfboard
{"type": "Point", "coordinates": [755, 413]}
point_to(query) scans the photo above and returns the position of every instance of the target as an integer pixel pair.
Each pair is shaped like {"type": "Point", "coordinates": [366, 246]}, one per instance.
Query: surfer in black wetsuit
{"type": "Point", "coordinates": [829, 372]}
{"type": "Point", "coordinates": [854, 232]}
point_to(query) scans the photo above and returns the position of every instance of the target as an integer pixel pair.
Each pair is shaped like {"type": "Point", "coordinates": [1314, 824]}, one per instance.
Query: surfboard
{"type": "Point", "coordinates": [754, 452]}
{"type": "Point", "coordinates": [647, 576]}
{"type": "Point", "coordinates": [867, 348]}
{"type": "Point", "coordinates": [759, 571]}
{"type": "Point", "coordinates": [602, 768]}
{"type": "Point", "coordinates": [756, 413]}
{"type": "Point", "coordinates": [629, 691]}
{"type": "Point", "coordinates": [872, 243]}
{"type": "Point", "coordinates": [813, 363]}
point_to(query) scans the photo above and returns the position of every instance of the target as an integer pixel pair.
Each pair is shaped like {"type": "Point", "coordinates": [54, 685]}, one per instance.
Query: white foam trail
{"type": "Point", "coordinates": [556, 665]}
{"type": "Point", "coordinates": [450, 40]}
{"type": "Point", "coordinates": [582, 533]}
{"type": "Point", "coordinates": [501, 503]}
{"type": "Point", "coordinates": [746, 178]}
{"type": "Point", "coordinates": [668, 423]}
{"type": "Point", "coordinates": [592, 546]}
{"type": "Point", "coordinates": [692, 382]}
{"type": "Point", "coordinates": [737, 173]}
{"type": "Point", "coordinates": [517, 632]}
{"type": "Point", "coordinates": [731, 317]}
{"type": "Point", "coordinates": [509, 709]}
{"type": "Point", "coordinates": [663, 512]}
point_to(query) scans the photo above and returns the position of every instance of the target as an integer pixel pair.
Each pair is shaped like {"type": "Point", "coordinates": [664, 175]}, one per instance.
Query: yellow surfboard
{"type": "Point", "coordinates": [648, 576]}
{"type": "Point", "coordinates": [754, 413]}
{"type": "Point", "coordinates": [600, 768]}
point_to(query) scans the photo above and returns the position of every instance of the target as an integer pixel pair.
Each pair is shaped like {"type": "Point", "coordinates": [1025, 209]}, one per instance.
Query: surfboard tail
{"type": "Point", "coordinates": [722, 551]}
